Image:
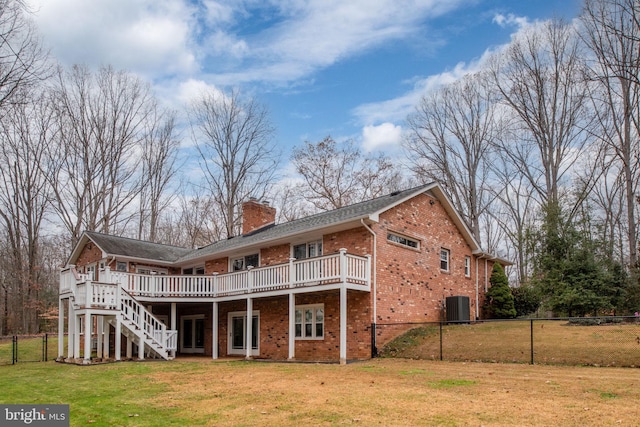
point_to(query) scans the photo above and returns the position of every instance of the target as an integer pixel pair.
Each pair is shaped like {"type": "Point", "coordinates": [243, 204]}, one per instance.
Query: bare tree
{"type": "Point", "coordinates": [23, 61]}
{"type": "Point", "coordinates": [25, 131]}
{"type": "Point", "coordinates": [514, 211]}
{"type": "Point", "coordinates": [339, 175]}
{"type": "Point", "coordinates": [237, 154]}
{"type": "Point", "coordinates": [613, 35]}
{"type": "Point", "coordinates": [159, 153]}
{"type": "Point", "coordinates": [540, 77]}
{"type": "Point", "coordinates": [453, 133]}
{"type": "Point", "coordinates": [102, 118]}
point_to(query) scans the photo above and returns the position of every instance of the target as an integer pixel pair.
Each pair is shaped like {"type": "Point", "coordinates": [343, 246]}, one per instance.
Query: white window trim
{"type": "Point", "coordinates": [448, 260]}
{"type": "Point", "coordinates": [407, 238]}
{"type": "Point", "coordinates": [152, 270]}
{"type": "Point", "coordinates": [313, 336]}
{"type": "Point", "coordinates": [242, 351]}
{"type": "Point", "coordinates": [307, 243]}
{"type": "Point", "coordinates": [126, 266]}
{"type": "Point", "coordinates": [192, 350]}
{"type": "Point", "coordinates": [467, 266]}
{"type": "Point", "coordinates": [233, 259]}
{"type": "Point", "coordinates": [193, 269]}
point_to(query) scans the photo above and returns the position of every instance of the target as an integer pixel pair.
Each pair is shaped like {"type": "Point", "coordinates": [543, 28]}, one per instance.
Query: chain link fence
{"type": "Point", "coordinates": [28, 348]}
{"type": "Point", "coordinates": [596, 341]}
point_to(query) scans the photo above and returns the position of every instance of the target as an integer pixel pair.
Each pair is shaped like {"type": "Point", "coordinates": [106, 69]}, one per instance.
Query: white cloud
{"type": "Point", "coordinates": [306, 36]}
{"type": "Point", "coordinates": [147, 36]}
{"type": "Point", "coordinates": [511, 20]}
{"type": "Point", "coordinates": [397, 109]}
{"type": "Point", "coordinates": [386, 135]}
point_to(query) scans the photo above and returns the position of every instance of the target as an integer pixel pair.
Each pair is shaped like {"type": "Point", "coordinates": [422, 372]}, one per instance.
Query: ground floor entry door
{"type": "Point", "coordinates": [237, 326]}
{"type": "Point", "coordinates": [192, 334]}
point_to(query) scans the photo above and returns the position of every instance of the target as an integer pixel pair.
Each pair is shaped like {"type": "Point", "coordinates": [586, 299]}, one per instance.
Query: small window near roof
{"type": "Point", "coordinates": [467, 266]}
{"type": "Point", "coordinates": [403, 240]}
{"type": "Point", "coordinates": [121, 266]}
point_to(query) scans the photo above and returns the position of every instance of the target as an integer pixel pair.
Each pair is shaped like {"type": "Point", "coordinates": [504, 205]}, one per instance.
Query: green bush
{"type": "Point", "coordinates": [499, 300]}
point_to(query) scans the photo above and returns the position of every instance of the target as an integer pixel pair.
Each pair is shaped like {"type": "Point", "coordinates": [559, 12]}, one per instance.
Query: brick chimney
{"type": "Point", "coordinates": [256, 215]}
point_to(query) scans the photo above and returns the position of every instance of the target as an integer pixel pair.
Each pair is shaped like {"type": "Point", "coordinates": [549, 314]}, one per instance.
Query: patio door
{"type": "Point", "coordinates": [237, 327]}
{"type": "Point", "coordinates": [192, 334]}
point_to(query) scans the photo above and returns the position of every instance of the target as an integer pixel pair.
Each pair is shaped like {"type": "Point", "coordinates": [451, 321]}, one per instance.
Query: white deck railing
{"type": "Point", "coordinates": [323, 270]}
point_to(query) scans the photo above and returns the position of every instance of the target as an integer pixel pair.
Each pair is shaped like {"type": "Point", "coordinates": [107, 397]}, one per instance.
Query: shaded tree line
{"type": "Point", "coordinates": [544, 142]}
{"type": "Point", "coordinates": [538, 151]}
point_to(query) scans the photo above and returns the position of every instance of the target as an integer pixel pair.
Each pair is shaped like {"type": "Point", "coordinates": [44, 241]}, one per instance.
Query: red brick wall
{"type": "Point", "coordinates": [275, 254]}
{"type": "Point", "coordinates": [90, 253]}
{"type": "Point", "coordinates": [274, 327]}
{"type": "Point", "coordinates": [220, 265]}
{"type": "Point", "coordinates": [411, 287]}
{"type": "Point", "coordinates": [256, 215]}
{"type": "Point", "coordinates": [357, 241]}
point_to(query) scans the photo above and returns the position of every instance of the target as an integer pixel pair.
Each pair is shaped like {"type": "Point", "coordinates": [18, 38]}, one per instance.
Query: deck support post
{"type": "Point", "coordinates": [129, 348]}
{"type": "Point", "coordinates": [249, 327]}
{"type": "Point", "coordinates": [214, 330]}
{"type": "Point", "coordinates": [105, 340]}
{"type": "Point", "coordinates": [292, 326]}
{"type": "Point", "coordinates": [343, 324]}
{"type": "Point", "coordinates": [174, 322]}
{"type": "Point", "coordinates": [99, 336]}
{"type": "Point", "coordinates": [71, 331]}
{"type": "Point", "coordinates": [87, 337]}
{"type": "Point", "coordinates": [141, 345]}
{"type": "Point", "coordinates": [76, 338]}
{"type": "Point", "coordinates": [118, 338]}
{"type": "Point", "coordinates": [60, 328]}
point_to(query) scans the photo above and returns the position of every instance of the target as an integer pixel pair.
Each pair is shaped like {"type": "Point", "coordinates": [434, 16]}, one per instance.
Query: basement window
{"type": "Point", "coordinates": [403, 240]}
{"type": "Point", "coordinates": [310, 322]}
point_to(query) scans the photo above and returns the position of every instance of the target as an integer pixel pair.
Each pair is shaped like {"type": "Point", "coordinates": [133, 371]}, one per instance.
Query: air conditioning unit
{"type": "Point", "coordinates": [458, 309]}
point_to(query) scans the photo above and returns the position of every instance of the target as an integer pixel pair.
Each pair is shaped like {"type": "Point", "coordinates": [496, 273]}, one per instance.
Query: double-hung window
{"type": "Point", "coordinates": [310, 322]}
{"type": "Point", "coordinates": [307, 250]}
{"type": "Point", "coordinates": [444, 259]}
{"type": "Point", "coordinates": [193, 270]}
{"type": "Point", "coordinates": [242, 263]}
{"type": "Point", "coordinates": [467, 266]}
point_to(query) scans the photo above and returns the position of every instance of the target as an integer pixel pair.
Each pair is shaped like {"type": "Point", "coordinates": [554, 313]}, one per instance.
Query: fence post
{"type": "Point", "coordinates": [46, 347]}
{"type": "Point", "coordinates": [374, 349]}
{"type": "Point", "coordinates": [531, 320]}
{"type": "Point", "coordinates": [14, 350]}
{"type": "Point", "coordinates": [440, 340]}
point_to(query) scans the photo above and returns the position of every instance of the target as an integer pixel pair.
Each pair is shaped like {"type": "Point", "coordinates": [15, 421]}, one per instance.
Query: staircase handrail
{"type": "Point", "coordinates": [153, 328]}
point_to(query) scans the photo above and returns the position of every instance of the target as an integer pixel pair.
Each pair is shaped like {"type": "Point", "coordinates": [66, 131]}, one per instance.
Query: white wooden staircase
{"type": "Point", "coordinates": [102, 304]}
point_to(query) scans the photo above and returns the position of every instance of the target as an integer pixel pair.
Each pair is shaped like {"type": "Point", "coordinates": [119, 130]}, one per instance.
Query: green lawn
{"type": "Point", "coordinates": [103, 395]}
{"type": "Point", "coordinates": [385, 392]}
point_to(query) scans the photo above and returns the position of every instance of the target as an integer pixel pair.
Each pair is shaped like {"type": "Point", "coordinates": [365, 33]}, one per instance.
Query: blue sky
{"type": "Point", "coordinates": [349, 69]}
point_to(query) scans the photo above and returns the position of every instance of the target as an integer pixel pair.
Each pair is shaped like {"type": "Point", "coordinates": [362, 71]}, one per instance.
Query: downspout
{"type": "Point", "coordinates": [373, 285]}
{"type": "Point", "coordinates": [477, 290]}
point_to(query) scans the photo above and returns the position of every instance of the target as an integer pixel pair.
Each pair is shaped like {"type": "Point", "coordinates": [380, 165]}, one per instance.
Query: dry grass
{"type": "Point", "coordinates": [555, 342]}
{"type": "Point", "coordinates": [397, 392]}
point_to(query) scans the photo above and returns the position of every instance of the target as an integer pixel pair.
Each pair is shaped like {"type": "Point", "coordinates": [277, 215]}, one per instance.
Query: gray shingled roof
{"type": "Point", "coordinates": [124, 246]}
{"type": "Point", "coordinates": [325, 219]}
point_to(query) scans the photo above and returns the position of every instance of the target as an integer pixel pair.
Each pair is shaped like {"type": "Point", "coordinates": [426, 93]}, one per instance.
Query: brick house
{"type": "Point", "coordinates": [314, 287]}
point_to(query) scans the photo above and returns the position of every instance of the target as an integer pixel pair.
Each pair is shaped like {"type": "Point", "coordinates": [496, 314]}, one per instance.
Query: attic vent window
{"type": "Point", "coordinates": [404, 241]}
